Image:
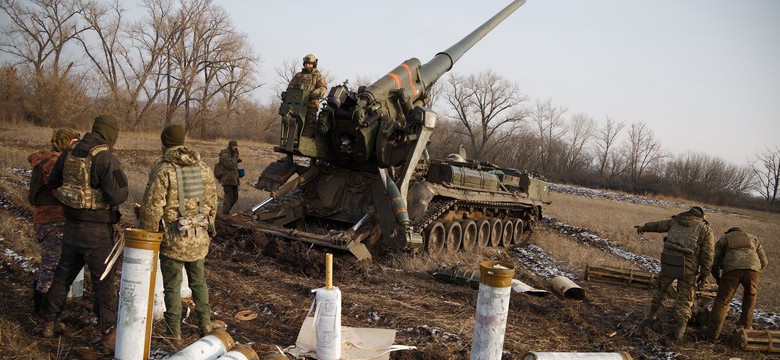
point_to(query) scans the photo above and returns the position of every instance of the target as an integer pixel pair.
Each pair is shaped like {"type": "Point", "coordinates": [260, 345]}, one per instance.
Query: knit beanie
{"type": "Point", "coordinates": [107, 127]}
{"type": "Point", "coordinates": [60, 138]}
{"type": "Point", "coordinates": [232, 143]}
{"type": "Point", "coordinates": [172, 135]}
{"type": "Point", "coordinates": [697, 211]}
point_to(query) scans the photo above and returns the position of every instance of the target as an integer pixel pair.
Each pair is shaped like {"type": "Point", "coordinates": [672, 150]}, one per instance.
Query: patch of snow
{"type": "Point", "coordinates": [23, 262]}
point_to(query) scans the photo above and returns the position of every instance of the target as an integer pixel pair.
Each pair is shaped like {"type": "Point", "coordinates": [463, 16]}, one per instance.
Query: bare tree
{"type": "Point", "coordinates": [605, 140]}
{"type": "Point", "coordinates": [488, 108]}
{"type": "Point", "coordinates": [548, 125]}
{"type": "Point", "coordinates": [766, 168]}
{"type": "Point", "coordinates": [37, 38]}
{"type": "Point", "coordinates": [579, 134]}
{"type": "Point", "coordinates": [640, 150]}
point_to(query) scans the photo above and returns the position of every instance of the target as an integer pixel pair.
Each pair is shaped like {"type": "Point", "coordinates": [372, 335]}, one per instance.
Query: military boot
{"type": "Point", "coordinates": [679, 331]}
{"type": "Point", "coordinates": [206, 329]}
{"type": "Point", "coordinates": [652, 314]}
{"type": "Point", "coordinates": [48, 329]}
{"type": "Point", "coordinates": [109, 340]}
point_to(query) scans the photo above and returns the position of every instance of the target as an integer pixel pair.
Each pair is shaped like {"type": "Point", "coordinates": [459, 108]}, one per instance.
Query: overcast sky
{"type": "Point", "coordinates": [703, 74]}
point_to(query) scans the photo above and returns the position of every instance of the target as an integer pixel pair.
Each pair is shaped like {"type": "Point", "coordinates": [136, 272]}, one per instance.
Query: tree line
{"type": "Point", "coordinates": [185, 62]}
{"type": "Point", "coordinates": [495, 122]}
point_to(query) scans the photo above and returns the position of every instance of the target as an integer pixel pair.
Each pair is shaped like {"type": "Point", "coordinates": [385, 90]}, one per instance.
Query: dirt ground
{"type": "Point", "coordinates": [247, 270]}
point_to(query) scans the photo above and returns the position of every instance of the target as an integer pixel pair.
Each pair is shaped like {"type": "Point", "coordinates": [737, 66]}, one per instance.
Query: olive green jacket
{"type": "Point", "coordinates": [738, 250]}
{"type": "Point", "coordinates": [311, 81]}
{"type": "Point", "coordinates": [229, 160]}
{"type": "Point", "coordinates": [688, 235]}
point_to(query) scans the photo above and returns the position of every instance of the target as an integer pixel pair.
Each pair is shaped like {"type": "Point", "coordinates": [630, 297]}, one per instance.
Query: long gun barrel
{"type": "Point", "coordinates": [404, 75]}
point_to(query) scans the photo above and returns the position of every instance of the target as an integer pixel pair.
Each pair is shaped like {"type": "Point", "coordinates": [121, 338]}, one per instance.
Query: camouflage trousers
{"type": "Point", "coordinates": [171, 273]}
{"type": "Point", "coordinates": [310, 123]}
{"type": "Point", "coordinates": [50, 237]}
{"type": "Point", "coordinates": [231, 196]}
{"type": "Point", "coordinates": [684, 296]}
{"type": "Point", "coordinates": [727, 287]}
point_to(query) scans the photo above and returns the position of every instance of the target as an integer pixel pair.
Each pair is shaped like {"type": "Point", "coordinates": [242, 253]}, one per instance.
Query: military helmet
{"type": "Point", "coordinates": [310, 58]}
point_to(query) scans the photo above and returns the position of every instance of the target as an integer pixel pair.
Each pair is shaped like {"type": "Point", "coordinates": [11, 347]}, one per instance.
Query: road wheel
{"type": "Point", "coordinates": [454, 236]}
{"type": "Point", "coordinates": [483, 232]}
{"type": "Point", "coordinates": [496, 228]}
{"type": "Point", "coordinates": [434, 238]}
{"type": "Point", "coordinates": [470, 234]}
{"type": "Point", "coordinates": [506, 234]}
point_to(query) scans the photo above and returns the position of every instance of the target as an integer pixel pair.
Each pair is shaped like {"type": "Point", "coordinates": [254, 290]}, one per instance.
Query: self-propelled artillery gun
{"type": "Point", "coordinates": [364, 182]}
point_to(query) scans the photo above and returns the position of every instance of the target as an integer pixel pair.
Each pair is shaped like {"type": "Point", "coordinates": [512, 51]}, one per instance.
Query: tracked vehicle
{"type": "Point", "coordinates": [364, 182]}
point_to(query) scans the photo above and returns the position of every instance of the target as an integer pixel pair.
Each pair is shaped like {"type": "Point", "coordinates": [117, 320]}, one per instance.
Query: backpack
{"type": "Point", "coordinates": [40, 191]}
{"type": "Point", "coordinates": [219, 171]}
{"type": "Point", "coordinates": [75, 191]}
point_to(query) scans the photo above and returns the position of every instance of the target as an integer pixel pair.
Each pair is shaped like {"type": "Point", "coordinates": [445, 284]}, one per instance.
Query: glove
{"type": "Point", "coordinates": [639, 229]}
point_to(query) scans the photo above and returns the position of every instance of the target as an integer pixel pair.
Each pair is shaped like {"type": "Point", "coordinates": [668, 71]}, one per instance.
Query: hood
{"type": "Point", "coordinates": [686, 219]}
{"type": "Point", "coordinates": [37, 157]}
{"type": "Point", "coordinates": [181, 155]}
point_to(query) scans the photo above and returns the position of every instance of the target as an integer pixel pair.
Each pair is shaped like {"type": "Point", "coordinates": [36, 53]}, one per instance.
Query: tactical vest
{"type": "Point", "coordinates": [40, 193]}
{"type": "Point", "coordinates": [190, 185]}
{"type": "Point", "coordinates": [684, 237]}
{"type": "Point", "coordinates": [75, 190]}
{"type": "Point", "coordinates": [305, 81]}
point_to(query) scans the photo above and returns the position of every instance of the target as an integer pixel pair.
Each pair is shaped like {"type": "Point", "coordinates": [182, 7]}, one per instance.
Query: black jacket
{"type": "Point", "coordinates": [105, 174]}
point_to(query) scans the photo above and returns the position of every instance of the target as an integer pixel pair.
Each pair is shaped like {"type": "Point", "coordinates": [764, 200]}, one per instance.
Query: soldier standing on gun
{"type": "Point", "coordinates": [47, 215]}
{"type": "Point", "coordinates": [91, 184]}
{"type": "Point", "coordinates": [687, 257]}
{"type": "Point", "coordinates": [180, 200]}
{"type": "Point", "coordinates": [310, 79]}
{"type": "Point", "coordinates": [739, 259]}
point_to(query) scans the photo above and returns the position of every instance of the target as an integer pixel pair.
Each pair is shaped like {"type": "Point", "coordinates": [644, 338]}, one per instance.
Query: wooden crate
{"type": "Point", "coordinates": [757, 340]}
{"type": "Point", "coordinates": [619, 276]}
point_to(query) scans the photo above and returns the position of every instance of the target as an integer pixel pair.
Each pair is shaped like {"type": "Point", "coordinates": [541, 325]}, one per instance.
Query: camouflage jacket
{"type": "Point", "coordinates": [311, 81]}
{"type": "Point", "coordinates": [161, 211]}
{"type": "Point", "coordinates": [46, 213]}
{"type": "Point", "coordinates": [688, 235]}
{"type": "Point", "coordinates": [739, 250]}
{"type": "Point", "coordinates": [229, 161]}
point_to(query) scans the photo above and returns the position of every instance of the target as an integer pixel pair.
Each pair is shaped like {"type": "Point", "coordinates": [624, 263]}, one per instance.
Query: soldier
{"type": "Point", "coordinates": [180, 201]}
{"type": "Point", "coordinates": [47, 216]}
{"type": "Point", "coordinates": [228, 159]}
{"type": "Point", "coordinates": [310, 79]}
{"type": "Point", "coordinates": [687, 257]}
{"type": "Point", "coordinates": [739, 259]}
{"type": "Point", "coordinates": [91, 184]}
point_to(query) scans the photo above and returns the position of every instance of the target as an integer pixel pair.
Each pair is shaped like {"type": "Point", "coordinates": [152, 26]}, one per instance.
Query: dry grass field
{"type": "Point", "coordinates": [246, 270]}
{"type": "Point", "coordinates": [615, 220]}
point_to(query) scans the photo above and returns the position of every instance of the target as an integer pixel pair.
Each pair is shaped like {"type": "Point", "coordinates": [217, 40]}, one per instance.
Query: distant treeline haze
{"type": "Point", "coordinates": [64, 61]}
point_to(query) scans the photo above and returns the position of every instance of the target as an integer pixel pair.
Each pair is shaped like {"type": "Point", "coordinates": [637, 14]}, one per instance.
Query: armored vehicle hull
{"type": "Point", "coordinates": [348, 185]}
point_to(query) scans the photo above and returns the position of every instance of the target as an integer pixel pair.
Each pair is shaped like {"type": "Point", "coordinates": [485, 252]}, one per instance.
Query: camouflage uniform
{"type": "Point", "coordinates": [741, 258]}
{"type": "Point", "coordinates": [689, 236]}
{"type": "Point", "coordinates": [48, 219]}
{"type": "Point", "coordinates": [88, 236]}
{"type": "Point", "coordinates": [181, 248]}
{"type": "Point", "coordinates": [230, 181]}
{"type": "Point", "coordinates": [311, 80]}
